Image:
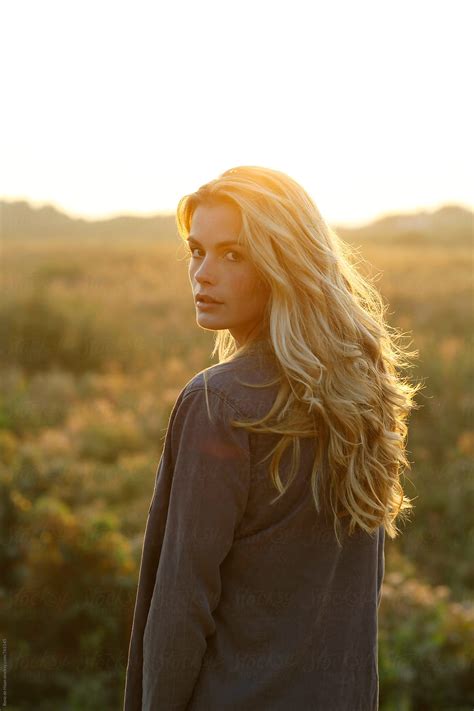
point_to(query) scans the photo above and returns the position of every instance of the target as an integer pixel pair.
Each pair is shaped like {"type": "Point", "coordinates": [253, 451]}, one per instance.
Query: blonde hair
{"type": "Point", "coordinates": [337, 356]}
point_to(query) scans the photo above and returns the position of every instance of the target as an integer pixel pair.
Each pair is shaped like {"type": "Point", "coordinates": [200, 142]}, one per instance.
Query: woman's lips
{"type": "Point", "coordinates": [207, 304]}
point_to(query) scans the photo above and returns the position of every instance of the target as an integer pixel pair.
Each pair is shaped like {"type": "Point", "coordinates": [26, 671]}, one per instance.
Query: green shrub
{"type": "Point", "coordinates": [70, 617]}
{"type": "Point", "coordinates": [38, 332]}
{"type": "Point", "coordinates": [426, 643]}
{"type": "Point", "coordinates": [30, 404]}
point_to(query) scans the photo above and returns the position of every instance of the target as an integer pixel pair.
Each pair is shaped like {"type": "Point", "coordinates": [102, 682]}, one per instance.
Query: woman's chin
{"type": "Point", "coordinates": [210, 320]}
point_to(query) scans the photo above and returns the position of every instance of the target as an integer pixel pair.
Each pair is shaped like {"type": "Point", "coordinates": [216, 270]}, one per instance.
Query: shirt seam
{"type": "Point", "coordinates": [222, 396]}
{"type": "Point", "coordinates": [248, 458]}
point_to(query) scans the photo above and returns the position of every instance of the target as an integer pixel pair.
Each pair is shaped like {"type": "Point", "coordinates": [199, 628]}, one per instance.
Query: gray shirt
{"type": "Point", "coordinates": [242, 604]}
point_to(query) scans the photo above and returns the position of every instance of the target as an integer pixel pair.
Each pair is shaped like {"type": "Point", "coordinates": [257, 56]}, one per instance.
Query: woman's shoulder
{"type": "Point", "coordinates": [239, 381]}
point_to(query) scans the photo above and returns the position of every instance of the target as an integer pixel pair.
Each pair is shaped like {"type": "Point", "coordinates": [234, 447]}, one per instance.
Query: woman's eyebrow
{"type": "Point", "coordinates": [227, 243]}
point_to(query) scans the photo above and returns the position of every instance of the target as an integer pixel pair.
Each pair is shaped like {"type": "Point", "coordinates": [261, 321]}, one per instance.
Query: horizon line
{"type": "Point", "coordinates": [104, 217]}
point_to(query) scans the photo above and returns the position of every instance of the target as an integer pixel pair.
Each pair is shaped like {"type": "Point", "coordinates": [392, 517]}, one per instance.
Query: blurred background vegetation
{"type": "Point", "coordinates": [98, 336]}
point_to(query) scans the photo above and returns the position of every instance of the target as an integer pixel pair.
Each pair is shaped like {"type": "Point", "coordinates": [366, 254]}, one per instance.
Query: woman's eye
{"type": "Point", "coordinates": [235, 258]}
{"type": "Point", "coordinates": [236, 254]}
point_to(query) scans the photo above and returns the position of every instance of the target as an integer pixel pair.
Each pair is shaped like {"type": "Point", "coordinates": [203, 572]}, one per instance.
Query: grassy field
{"type": "Point", "coordinates": [97, 340]}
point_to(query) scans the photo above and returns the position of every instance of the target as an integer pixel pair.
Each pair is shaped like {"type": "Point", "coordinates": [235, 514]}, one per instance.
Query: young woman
{"type": "Point", "coordinates": [263, 554]}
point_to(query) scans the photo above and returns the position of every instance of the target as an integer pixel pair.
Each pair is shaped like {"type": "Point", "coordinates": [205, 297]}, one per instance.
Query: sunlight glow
{"type": "Point", "coordinates": [113, 108]}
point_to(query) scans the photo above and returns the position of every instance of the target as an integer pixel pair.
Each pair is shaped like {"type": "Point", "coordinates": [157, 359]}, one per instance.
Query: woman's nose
{"type": "Point", "coordinates": [205, 272]}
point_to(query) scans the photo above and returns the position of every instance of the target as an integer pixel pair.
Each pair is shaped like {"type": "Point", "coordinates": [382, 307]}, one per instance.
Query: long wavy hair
{"type": "Point", "coordinates": [338, 359]}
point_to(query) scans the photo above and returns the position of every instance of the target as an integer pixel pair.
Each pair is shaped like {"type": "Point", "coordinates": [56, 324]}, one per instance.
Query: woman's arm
{"type": "Point", "coordinates": [207, 499]}
{"type": "Point", "coordinates": [381, 564]}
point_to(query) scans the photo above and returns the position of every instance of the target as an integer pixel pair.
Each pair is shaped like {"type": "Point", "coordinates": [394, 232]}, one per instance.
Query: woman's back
{"type": "Point", "coordinates": [243, 604]}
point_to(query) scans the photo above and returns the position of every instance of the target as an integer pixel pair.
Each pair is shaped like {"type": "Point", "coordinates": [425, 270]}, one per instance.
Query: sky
{"type": "Point", "coordinates": [122, 107]}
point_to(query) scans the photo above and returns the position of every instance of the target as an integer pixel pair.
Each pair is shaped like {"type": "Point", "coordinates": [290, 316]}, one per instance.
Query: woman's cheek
{"type": "Point", "coordinates": [239, 282]}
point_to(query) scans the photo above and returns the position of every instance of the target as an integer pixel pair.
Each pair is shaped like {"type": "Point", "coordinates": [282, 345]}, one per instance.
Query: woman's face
{"type": "Point", "coordinates": [224, 273]}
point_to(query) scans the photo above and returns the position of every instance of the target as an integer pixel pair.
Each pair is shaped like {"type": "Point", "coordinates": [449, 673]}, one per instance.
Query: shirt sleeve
{"type": "Point", "coordinates": [380, 564]}
{"type": "Point", "coordinates": [207, 500]}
